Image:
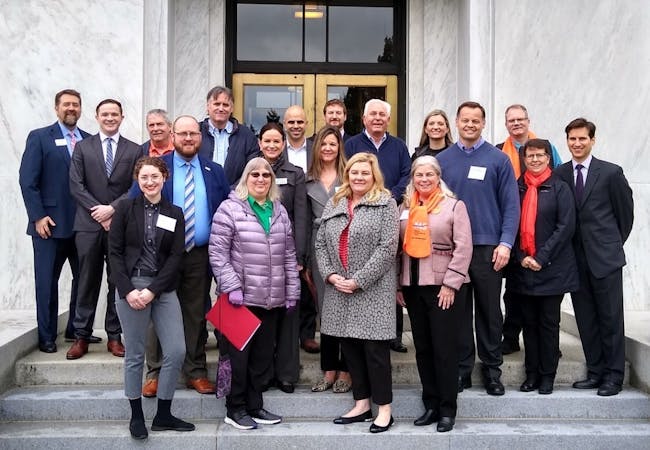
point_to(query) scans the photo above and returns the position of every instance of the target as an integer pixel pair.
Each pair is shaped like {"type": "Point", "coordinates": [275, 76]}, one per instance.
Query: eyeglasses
{"type": "Point", "coordinates": [146, 178]}
{"type": "Point", "coordinates": [265, 175]}
{"type": "Point", "coordinates": [187, 134]}
{"type": "Point", "coordinates": [538, 156]}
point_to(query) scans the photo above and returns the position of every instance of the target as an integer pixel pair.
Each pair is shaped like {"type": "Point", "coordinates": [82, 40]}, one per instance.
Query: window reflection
{"type": "Point", "coordinates": [360, 34]}
{"type": "Point", "coordinates": [268, 103]}
{"type": "Point", "coordinates": [268, 33]}
{"type": "Point", "coordinates": [355, 97]}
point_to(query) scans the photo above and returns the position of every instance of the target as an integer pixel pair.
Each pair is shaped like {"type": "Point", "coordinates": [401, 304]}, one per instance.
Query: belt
{"type": "Point", "coordinates": [143, 273]}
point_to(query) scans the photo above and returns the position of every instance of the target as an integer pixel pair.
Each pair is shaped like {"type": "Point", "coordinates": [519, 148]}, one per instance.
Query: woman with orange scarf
{"type": "Point", "coordinates": [542, 267]}
{"type": "Point", "coordinates": [436, 252]}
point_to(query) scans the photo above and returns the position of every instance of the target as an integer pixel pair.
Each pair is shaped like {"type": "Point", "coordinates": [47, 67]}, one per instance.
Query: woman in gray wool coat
{"type": "Point", "coordinates": [355, 248]}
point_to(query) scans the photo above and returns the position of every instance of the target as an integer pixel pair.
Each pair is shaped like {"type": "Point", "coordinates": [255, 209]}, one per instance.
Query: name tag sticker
{"type": "Point", "coordinates": [61, 142]}
{"type": "Point", "coordinates": [405, 215]}
{"type": "Point", "coordinates": [280, 181]}
{"type": "Point", "coordinates": [476, 173]}
{"type": "Point", "coordinates": [166, 222]}
{"type": "Point", "coordinates": [336, 189]}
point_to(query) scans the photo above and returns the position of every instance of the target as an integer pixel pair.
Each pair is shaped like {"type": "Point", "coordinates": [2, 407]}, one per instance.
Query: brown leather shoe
{"type": "Point", "coordinates": [116, 348]}
{"type": "Point", "coordinates": [201, 385]}
{"type": "Point", "coordinates": [150, 388]}
{"type": "Point", "coordinates": [310, 346]}
{"type": "Point", "coordinates": [78, 349]}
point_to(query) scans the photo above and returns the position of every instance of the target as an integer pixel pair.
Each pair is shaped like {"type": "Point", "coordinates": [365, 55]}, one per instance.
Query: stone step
{"type": "Point", "coordinates": [100, 367]}
{"type": "Point", "coordinates": [108, 403]}
{"type": "Point", "coordinates": [321, 435]}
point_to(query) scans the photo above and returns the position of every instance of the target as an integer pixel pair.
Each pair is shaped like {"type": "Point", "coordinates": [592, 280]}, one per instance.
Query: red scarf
{"type": "Point", "coordinates": [529, 210]}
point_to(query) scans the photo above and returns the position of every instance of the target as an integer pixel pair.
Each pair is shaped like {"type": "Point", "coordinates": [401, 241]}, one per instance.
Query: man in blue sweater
{"type": "Point", "coordinates": [483, 178]}
{"type": "Point", "coordinates": [394, 162]}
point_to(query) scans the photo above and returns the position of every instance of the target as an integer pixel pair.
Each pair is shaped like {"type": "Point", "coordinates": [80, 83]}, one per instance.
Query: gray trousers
{"type": "Point", "coordinates": [165, 313]}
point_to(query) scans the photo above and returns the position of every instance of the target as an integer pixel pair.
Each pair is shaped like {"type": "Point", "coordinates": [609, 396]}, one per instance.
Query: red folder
{"type": "Point", "coordinates": [236, 323]}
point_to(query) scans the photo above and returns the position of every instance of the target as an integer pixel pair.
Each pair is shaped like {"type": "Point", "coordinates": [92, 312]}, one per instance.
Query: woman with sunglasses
{"type": "Point", "coordinates": [253, 258]}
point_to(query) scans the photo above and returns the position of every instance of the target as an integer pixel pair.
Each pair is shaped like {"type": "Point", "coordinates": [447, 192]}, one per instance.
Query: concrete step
{"type": "Point", "coordinates": [321, 435]}
{"type": "Point", "coordinates": [108, 403]}
{"type": "Point", "coordinates": [100, 367]}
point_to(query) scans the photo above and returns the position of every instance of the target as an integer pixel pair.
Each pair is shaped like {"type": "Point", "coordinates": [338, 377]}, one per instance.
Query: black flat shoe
{"type": "Point", "coordinates": [374, 428]}
{"type": "Point", "coordinates": [445, 424]}
{"type": "Point", "coordinates": [363, 417]}
{"type": "Point", "coordinates": [285, 386]}
{"type": "Point", "coordinates": [530, 384]}
{"type": "Point", "coordinates": [464, 383]}
{"type": "Point", "coordinates": [608, 389]}
{"type": "Point", "coordinates": [427, 418]}
{"type": "Point", "coordinates": [138, 429]}
{"type": "Point", "coordinates": [493, 386]}
{"type": "Point", "coordinates": [398, 347]}
{"type": "Point", "coordinates": [171, 424]}
{"type": "Point", "coordinates": [47, 347]}
{"type": "Point", "coordinates": [589, 383]}
{"type": "Point", "coordinates": [545, 386]}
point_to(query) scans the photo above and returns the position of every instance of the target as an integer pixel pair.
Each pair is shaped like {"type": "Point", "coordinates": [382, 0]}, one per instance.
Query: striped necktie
{"type": "Point", "coordinates": [73, 141]}
{"type": "Point", "coordinates": [109, 156]}
{"type": "Point", "coordinates": [188, 208]}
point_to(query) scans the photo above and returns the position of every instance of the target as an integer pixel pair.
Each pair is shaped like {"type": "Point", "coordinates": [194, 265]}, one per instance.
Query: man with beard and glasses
{"type": "Point", "coordinates": [45, 186]}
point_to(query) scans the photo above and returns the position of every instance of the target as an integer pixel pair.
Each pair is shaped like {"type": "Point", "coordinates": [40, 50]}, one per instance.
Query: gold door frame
{"type": "Point", "coordinates": [315, 92]}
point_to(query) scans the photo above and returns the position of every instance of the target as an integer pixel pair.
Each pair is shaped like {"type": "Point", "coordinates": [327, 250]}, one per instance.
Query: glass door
{"type": "Point", "coordinates": [260, 98]}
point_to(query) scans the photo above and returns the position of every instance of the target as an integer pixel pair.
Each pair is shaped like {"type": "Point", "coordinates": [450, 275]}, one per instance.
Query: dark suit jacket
{"type": "Point", "coordinates": [89, 184]}
{"type": "Point", "coordinates": [604, 216]}
{"type": "Point", "coordinates": [126, 239]}
{"type": "Point", "coordinates": [44, 181]}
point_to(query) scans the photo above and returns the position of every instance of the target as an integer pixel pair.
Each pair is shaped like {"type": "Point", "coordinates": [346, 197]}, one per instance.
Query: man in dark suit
{"type": "Point", "coordinates": [50, 209]}
{"type": "Point", "coordinates": [605, 213]}
{"type": "Point", "coordinates": [100, 175]}
{"type": "Point", "coordinates": [210, 188]}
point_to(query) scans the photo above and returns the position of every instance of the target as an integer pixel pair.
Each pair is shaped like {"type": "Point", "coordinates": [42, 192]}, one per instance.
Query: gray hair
{"type": "Point", "coordinates": [159, 112]}
{"type": "Point", "coordinates": [386, 106]}
{"type": "Point", "coordinates": [426, 160]}
{"type": "Point", "coordinates": [241, 190]}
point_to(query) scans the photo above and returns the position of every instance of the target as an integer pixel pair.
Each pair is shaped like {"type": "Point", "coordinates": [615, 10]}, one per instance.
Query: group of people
{"type": "Point", "coordinates": [349, 228]}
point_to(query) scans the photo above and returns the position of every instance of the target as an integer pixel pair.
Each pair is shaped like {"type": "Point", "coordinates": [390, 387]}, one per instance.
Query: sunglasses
{"type": "Point", "coordinates": [266, 175]}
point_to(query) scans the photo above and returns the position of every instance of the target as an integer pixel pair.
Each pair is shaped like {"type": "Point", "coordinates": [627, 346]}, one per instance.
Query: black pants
{"type": "Point", "coordinates": [485, 290]}
{"type": "Point", "coordinates": [92, 249]}
{"type": "Point", "coordinates": [513, 321]}
{"type": "Point", "coordinates": [369, 364]}
{"type": "Point", "coordinates": [286, 364]}
{"type": "Point", "coordinates": [435, 335]}
{"type": "Point", "coordinates": [541, 316]}
{"type": "Point", "coordinates": [252, 368]}
{"type": "Point", "coordinates": [331, 354]}
{"type": "Point", "coordinates": [307, 312]}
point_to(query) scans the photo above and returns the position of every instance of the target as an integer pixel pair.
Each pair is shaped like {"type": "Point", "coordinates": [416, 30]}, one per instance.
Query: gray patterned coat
{"type": "Point", "coordinates": [368, 313]}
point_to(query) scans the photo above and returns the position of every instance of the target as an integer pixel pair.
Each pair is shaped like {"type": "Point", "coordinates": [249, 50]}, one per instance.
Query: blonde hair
{"type": "Point", "coordinates": [432, 162]}
{"type": "Point", "coordinates": [378, 179]}
{"type": "Point", "coordinates": [241, 190]}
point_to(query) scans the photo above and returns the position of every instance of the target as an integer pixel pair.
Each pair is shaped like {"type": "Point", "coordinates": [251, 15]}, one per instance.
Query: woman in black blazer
{"type": "Point", "coordinates": [146, 243]}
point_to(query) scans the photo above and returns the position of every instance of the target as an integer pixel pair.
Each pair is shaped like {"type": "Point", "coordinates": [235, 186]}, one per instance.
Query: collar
{"type": "Point", "coordinates": [149, 205]}
{"type": "Point", "coordinates": [115, 137]}
{"type": "Point", "coordinates": [179, 161]}
{"type": "Point", "coordinates": [65, 130]}
{"type": "Point", "coordinates": [297, 149]}
{"type": "Point", "coordinates": [215, 131]}
{"type": "Point", "coordinates": [586, 163]}
{"type": "Point", "coordinates": [480, 142]}
{"type": "Point", "coordinates": [381, 141]}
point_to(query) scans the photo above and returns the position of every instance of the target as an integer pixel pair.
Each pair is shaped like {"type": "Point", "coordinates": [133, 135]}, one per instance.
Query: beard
{"type": "Point", "coordinates": [70, 119]}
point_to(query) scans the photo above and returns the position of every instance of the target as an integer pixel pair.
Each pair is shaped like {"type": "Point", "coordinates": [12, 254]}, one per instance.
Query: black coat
{"type": "Point", "coordinates": [126, 239]}
{"type": "Point", "coordinates": [554, 230]}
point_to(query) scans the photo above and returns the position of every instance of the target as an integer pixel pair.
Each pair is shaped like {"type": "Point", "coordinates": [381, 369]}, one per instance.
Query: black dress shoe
{"type": "Point", "coordinates": [531, 383]}
{"type": "Point", "coordinates": [47, 347]}
{"type": "Point", "coordinates": [363, 417]}
{"type": "Point", "coordinates": [398, 347]}
{"type": "Point", "coordinates": [170, 424]}
{"type": "Point", "coordinates": [546, 386]}
{"type": "Point", "coordinates": [508, 347]}
{"type": "Point", "coordinates": [445, 424]}
{"type": "Point", "coordinates": [285, 386]}
{"type": "Point", "coordinates": [374, 428]}
{"type": "Point", "coordinates": [427, 418]}
{"type": "Point", "coordinates": [91, 339]}
{"type": "Point", "coordinates": [608, 389]}
{"type": "Point", "coordinates": [589, 383]}
{"type": "Point", "coordinates": [493, 386]}
{"type": "Point", "coordinates": [138, 429]}
{"type": "Point", "coordinates": [464, 383]}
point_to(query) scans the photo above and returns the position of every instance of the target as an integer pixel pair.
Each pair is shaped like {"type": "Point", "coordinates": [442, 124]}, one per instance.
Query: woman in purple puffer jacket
{"type": "Point", "coordinates": [253, 258]}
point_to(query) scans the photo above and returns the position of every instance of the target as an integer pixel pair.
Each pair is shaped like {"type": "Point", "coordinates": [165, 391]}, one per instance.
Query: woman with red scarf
{"type": "Point", "coordinates": [542, 267]}
{"type": "Point", "coordinates": [436, 252]}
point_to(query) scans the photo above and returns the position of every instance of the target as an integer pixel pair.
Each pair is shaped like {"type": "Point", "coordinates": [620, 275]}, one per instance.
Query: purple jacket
{"type": "Point", "coordinates": [243, 257]}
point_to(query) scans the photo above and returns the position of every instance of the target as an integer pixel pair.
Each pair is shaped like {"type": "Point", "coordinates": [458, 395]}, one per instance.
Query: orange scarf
{"type": "Point", "coordinates": [510, 149]}
{"type": "Point", "coordinates": [529, 210]}
{"type": "Point", "coordinates": [417, 240]}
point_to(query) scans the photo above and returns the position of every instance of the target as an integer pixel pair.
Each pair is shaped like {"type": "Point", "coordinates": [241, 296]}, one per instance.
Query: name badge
{"type": "Point", "coordinates": [476, 173]}
{"type": "Point", "coordinates": [336, 189]}
{"type": "Point", "coordinates": [405, 215]}
{"type": "Point", "coordinates": [280, 181]}
{"type": "Point", "coordinates": [61, 142]}
{"type": "Point", "coordinates": [166, 222]}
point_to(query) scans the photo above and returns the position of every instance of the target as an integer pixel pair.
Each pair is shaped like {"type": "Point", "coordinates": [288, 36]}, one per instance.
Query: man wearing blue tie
{"type": "Point", "coordinates": [50, 208]}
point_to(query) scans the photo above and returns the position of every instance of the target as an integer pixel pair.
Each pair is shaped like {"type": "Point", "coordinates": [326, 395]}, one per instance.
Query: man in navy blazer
{"type": "Point", "coordinates": [100, 175]}
{"type": "Point", "coordinates": [210, 188]}
{"type": "Point", "coordinates": [50, 208]}
{"type": "Point", "coordinates": [605, 213]}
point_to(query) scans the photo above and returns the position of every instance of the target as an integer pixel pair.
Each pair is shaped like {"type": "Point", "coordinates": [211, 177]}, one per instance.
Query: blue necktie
{"type": "Point", "coordinates": [580, 183]}
{"type": "Point", "coordinates": [109, 156]}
